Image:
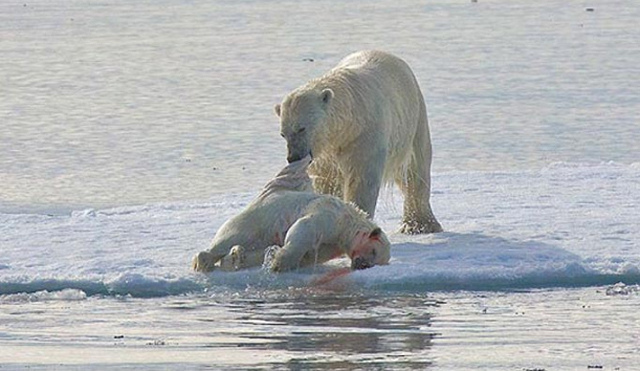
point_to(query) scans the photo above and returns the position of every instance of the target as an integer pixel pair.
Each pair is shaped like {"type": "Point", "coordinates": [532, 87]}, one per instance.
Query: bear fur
{"type": "Point", "coordinates": [311, 229]}
{"type": "Point", "coordinates": [364, 123]}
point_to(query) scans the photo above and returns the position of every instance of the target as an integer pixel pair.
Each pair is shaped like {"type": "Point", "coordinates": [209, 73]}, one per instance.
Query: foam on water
{"type": "Point", "coordinates": [563, 226]}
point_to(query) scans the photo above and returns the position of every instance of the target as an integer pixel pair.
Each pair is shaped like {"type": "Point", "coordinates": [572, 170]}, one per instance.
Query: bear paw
{"type": "Point", "coordinates": [203, 262]}
{"type": "Point", "coordinates": [270, 258]}
{"type": "Point", "coordinates": [235, 259]}
{"type": "Point", "coordinates": [414, 227]}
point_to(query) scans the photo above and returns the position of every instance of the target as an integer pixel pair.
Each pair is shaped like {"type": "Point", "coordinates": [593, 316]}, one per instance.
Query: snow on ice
{"type": "Point", "coordinates": [563, 226]}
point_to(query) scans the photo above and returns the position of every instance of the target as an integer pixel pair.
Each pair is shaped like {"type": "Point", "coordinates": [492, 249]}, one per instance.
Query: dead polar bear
{"type": "Point", "coordinates": [311, 228]}
{"type": "Point", "coordinates": [365, 123]}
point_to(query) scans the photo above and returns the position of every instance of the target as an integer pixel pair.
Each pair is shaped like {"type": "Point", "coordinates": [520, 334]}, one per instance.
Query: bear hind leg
{"type": "Point", "coordinates": [417, 217]}
{"type": "Point", "coordinates": [415, 183]}
{"type": "Point", "coordinates": [204, 262]}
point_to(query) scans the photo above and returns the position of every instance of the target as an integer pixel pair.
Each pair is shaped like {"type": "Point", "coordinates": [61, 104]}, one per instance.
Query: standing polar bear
{"type": "Point", "coordinates": [365, 123]}
{"type": "Point", "coordinates": [311, 229]}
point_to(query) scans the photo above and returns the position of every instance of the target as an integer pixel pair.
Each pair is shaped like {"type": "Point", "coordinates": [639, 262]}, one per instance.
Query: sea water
{"type": "Point", "coordinates": [131, 130]}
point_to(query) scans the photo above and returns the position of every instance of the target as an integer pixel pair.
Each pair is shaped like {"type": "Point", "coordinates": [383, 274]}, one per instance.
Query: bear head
{"type": "Point", "coordinates": [302, 114]}
{"type": "Point", "coordinates": [370, 249]}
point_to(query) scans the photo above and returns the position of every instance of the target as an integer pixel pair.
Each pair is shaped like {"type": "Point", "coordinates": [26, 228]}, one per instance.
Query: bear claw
{"type": "Point", "coordinates": [411, 227]}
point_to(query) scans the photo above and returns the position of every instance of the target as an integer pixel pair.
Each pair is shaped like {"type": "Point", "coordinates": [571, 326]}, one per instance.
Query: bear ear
{"type": "Point", "coordinates": [375, 234]}
{"type": "Point", "coordinates": [276, 109]}
{"type": "Point", "coordinates": [326, 95]}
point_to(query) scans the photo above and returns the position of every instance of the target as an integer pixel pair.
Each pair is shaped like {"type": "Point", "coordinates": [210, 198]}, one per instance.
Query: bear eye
{"type": "Point", "coordinates": [301, 130]}
{"type": "Point", "coordinates": [282, 135]}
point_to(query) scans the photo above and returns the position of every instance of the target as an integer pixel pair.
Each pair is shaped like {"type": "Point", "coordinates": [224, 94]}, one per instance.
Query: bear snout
{"type": "Point", "coordinates": [297, 157]}
{"type": "Point", "coordinates": [360, 263]}
{"type": "Point", "coordinates": [293, 158]}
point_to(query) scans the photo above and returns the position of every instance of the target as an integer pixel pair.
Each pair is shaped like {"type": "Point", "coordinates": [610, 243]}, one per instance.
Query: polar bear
{"type": "Point", "coordinates": [311, 228]}
{"type": "Point", "coordinates": [365, 123]}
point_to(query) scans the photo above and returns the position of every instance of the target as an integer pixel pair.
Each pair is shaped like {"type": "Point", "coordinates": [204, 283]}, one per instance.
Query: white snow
{"type": "Point", "coordinates": [563, 226]}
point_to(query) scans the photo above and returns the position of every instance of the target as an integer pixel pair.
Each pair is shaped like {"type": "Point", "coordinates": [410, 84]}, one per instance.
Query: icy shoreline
{"type": "Point", "coordinates": [564, 226]}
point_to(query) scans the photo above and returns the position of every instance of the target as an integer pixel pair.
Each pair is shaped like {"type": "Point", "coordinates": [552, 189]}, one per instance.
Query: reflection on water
{"type": "Point", "coordinates": [325, 330]}
{"type": "Point", "coordinates": [338, 330]}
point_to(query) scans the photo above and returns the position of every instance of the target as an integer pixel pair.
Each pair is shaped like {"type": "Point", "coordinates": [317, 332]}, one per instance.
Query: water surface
{"type": "Point", "coordinates": [167, 104]}
{"type": "Point", "coordinates": [127, 102]}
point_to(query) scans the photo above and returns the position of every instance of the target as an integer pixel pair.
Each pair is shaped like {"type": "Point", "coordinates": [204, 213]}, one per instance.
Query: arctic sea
{"type": "Point", "coordinates": [131, 130]}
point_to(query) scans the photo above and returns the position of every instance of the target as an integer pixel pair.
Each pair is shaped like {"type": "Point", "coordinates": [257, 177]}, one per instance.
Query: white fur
{"type": "Point", "coordinates": [311, 229]}
{"type": "Point", "coordinates": [365, 124]}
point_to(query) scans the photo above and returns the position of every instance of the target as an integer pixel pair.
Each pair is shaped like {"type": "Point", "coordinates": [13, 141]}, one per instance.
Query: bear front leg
{"type": "Point", "coordinates": [302, 239]}
{"type": "Point", "coordinates": [362, 184]}
{"type": "Point", "coordinates": [326, 179]}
